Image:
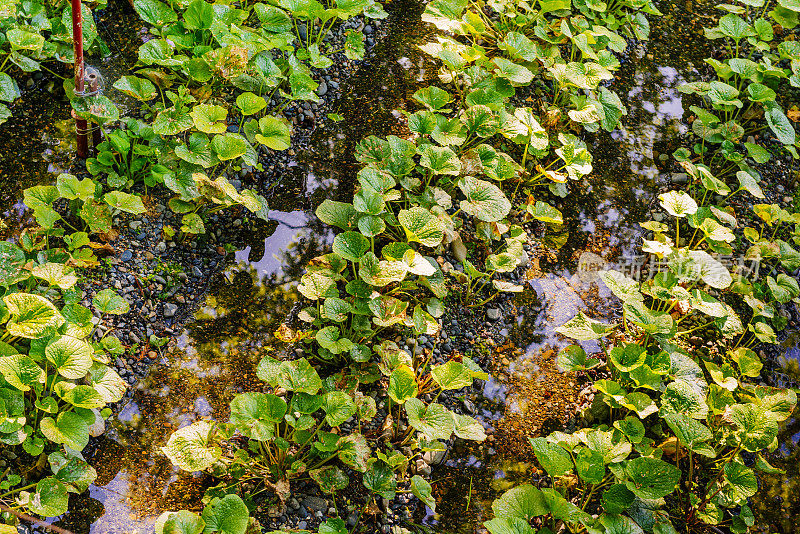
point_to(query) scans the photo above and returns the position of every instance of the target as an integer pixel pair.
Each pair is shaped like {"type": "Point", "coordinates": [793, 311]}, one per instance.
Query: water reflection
{"type": "Point", "coordinates": [528, 396]}
{"type": "Point", "coordinates": [215, 359]}
{"type": "Point", "coordinates": [777, 504]}
{"type": "Point", "coordinates": [212, 362]}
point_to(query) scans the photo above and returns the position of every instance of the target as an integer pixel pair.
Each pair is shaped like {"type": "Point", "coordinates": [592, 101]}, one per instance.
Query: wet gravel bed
{"type": "Point", "coordinates": [165, 279]}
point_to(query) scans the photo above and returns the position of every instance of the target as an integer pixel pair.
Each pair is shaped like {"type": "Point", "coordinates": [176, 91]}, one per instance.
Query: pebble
{"type": "Point", "coordinates": [434, 457]}
{"type": "Point", "coordinates": [422, 467]}
{"type": "Point", "coordinates": [147, 238]}
{"type": "Point", "coordinates": [493, 314]}
{"type": "Point", "coordinates": [315, 503]}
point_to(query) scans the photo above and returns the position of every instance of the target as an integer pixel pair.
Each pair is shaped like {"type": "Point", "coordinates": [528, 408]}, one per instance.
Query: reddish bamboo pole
{"type": "Point", "coordinates": [77, 40]}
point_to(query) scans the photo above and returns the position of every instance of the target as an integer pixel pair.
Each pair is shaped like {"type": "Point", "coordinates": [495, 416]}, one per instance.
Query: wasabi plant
{"type": "Point", "coordinates": [228, 514]}
{"type": "Point", "coordinates": [297, 430]}
{"type": "Point", "coordinates": [33, 34]}
{"type": "Point", "coordinates": [677, 429]}
{"type": "Point", "coordinates": [515, 44]}
{"type": "Point", "coordinates": [54, 383]}
{"type": "Point", "coordinates": [747, 78]}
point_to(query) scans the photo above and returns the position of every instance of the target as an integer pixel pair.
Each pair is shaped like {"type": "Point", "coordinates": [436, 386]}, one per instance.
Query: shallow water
{"type": "Point", "coordinates": [532, 395]}
{"type": "Point", "coordinates": [38, 141]}
{"type": "Point", "coordinates": [215, 358]}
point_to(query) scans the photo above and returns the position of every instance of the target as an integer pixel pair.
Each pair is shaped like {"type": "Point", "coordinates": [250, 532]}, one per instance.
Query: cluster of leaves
{"type": "Point", "coordinates": [259, 50]}
{"type": "Point", "coordinates": [140, 154]}
{"type": "Point", "coordinates": [297, 429]}
{"type": "Point", "coordinates": [228, 515]}
{"type": "Point", "coordinates": [557, 55]}
{"type": "Point", "coordinates": [567, 46]}
{"type": "Point", "coordinates": [749, 76]}
{"type": "Point", "coordinates": [136, 155]}
{"type": "Point", "coordinates": [264, 47]}
{"type": "Point", "coordinates": [126, 156]}
{"type": "Point", "coordinates": [36, 32]}
{"type": "Point", "coordinates": [681, 435]}
{"type": "Point", "coordinates": [90, 212]}
{"type": "Point", "coordinates": [53, 382]}
{"type": "Point", "coordinates": [404, 211]}
{"type": "Point", "coordinates": [415, 197]}
{"type": "Point", "coordinates": [667, 452]}
{"type": "Point", "coordinates": [201, 49]}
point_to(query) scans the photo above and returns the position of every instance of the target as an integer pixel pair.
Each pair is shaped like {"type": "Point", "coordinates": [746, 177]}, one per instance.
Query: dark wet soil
{"type": "Point", "coordinates": [527, 396]}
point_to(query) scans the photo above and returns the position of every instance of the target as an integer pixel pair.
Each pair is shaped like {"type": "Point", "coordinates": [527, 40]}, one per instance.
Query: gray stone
{"type": "Point", "coordinates": [422, 467]}
{"type": "Point", "coordinates": [170, 309]}
{"type": "Point", "coordinates": [323, 88]}
{"type": "Point", "coordinates": [493, 314]}
{"type": "Point", "coordinates": [469, 406]}
{"type": "Point", "coordinates": [434, 457]}
{"type": "Point", "coordinates": [126, 256]}
{"type": "Point", "coordinates": [315, 503]}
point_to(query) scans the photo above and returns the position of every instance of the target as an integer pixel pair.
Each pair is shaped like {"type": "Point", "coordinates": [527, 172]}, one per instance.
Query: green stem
{"type": "Point", "coordinates": [23, 488]}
